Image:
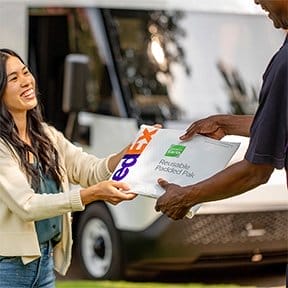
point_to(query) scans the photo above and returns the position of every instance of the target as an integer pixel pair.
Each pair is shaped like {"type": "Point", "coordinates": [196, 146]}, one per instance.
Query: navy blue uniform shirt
{"type": "Point", "coordinates": [268, 135]}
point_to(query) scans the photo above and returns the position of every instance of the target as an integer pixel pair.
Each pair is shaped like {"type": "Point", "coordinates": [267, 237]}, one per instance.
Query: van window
{"type": "Point", "coordinates": [53, 34]}
{"type": "Point", "coordinates": [170, 65]}
{"type": "Point", "coordinates": [201, 63]}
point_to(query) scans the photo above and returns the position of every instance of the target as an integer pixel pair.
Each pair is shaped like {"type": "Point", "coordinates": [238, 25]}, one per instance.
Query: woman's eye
{"type": "Point", "coordinates": [13, 78]}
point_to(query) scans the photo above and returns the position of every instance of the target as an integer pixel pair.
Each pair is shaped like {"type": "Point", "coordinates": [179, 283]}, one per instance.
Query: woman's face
{"type": "Point", "coordinates": [19, 95]}
{"type": "Point", "coordinates": [278, 11]}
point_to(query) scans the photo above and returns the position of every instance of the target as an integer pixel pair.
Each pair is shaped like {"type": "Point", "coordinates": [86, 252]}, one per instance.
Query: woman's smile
{"type": "Point", "coordinates": [28, 94]}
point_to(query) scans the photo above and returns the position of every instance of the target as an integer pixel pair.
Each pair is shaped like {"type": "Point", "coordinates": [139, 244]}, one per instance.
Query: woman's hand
{"type": "Point", "coordinates": [115, 159]}
{"type": "Point", "coordinates": [111, 191]}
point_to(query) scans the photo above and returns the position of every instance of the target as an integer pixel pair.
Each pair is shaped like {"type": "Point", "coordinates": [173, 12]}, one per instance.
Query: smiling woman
{"type": "Point", "coordinates": [19, 94]}
{"type": "Point", "coordinates": [36, 165]}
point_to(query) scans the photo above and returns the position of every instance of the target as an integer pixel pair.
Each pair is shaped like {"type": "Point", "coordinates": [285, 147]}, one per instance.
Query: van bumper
{"type": "Point", "coordinates": [213, 240]}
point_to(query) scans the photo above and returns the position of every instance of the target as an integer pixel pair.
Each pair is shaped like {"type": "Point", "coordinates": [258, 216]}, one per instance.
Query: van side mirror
{"type": "Point", "coordinates": [76, 75]}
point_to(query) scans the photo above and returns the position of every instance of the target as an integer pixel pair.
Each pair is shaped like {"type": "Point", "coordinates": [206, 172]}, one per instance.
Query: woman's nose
{"type": "Point", "coordinates": [24, 81]}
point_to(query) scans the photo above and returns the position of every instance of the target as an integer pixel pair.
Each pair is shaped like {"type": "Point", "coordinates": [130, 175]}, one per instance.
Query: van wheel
{"type": "Point", "coordinates": [98, 244]}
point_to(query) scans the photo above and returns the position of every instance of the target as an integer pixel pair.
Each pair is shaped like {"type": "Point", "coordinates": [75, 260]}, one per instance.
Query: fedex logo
{"type": "Point", "coordinates": [133, 153]}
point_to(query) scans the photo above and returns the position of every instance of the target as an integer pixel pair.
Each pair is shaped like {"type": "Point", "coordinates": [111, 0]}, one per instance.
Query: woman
{"type": "Point", "coordinates": [36, 166]}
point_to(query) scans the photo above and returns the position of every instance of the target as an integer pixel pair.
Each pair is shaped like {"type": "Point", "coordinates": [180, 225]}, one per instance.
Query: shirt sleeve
{"type": "Point", "coordinates": [81, 168]}
{"type": "Point", "coordinates": [20, 198]}
{"type": "Point", "coordinates": [268, 137]}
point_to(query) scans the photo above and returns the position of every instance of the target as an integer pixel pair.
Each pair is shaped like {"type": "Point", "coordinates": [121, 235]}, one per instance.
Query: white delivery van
{"type": "Point", "coordinates": [105, 67]}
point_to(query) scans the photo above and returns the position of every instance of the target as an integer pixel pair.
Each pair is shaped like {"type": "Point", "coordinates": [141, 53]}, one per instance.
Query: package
{"type": "Point", "coordinates": [159, 153]}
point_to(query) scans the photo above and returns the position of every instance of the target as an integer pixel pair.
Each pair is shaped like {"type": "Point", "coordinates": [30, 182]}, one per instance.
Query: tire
{"type": "Point", "coordinates": [98, 246]}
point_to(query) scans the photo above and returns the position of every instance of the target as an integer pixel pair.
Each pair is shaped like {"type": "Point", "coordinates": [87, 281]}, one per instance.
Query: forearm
{"type": "Point", "coordinates": [235, 124]}
{"type": "Point", "coordinates": [234, 180]}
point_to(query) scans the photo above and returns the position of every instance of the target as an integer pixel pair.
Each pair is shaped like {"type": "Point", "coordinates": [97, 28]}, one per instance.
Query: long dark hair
{"type": "Point", "coordinates": [42, 148]}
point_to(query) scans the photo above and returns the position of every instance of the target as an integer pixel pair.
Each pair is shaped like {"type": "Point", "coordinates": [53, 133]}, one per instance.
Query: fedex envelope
{"type": "Point", "coordinates": [158, 153]}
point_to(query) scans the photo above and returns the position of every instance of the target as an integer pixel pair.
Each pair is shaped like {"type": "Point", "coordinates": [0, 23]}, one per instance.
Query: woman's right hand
{"type": "Point", "coordinates": [111, 191]}
{"type": "Point", "coordinates": [116, 158]}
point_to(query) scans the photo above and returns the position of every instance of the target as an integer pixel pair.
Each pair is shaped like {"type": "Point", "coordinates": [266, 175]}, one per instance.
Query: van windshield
{"type": "Point", "coordinates": [153, 65]}
{"type": "Point", "coordinates": [203, 63]}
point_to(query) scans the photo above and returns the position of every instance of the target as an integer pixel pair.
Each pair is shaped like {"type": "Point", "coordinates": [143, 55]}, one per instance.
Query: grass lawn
{"type": "Point", "coordinates": [123, 284]}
